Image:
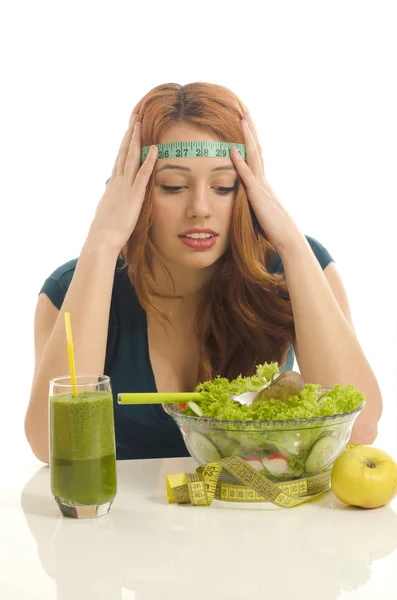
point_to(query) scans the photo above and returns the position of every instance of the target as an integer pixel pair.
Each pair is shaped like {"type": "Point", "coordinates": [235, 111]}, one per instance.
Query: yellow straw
{"type": "Point", "coordinates": [71, 354]}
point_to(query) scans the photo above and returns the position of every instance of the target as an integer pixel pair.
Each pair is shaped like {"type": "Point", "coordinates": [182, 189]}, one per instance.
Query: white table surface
{"type": "Point", "coordinates": [148, 549]}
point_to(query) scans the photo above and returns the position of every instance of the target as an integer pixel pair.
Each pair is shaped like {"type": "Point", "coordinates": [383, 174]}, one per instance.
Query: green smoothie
{"type": "Point", "coordinates": [82, 448]}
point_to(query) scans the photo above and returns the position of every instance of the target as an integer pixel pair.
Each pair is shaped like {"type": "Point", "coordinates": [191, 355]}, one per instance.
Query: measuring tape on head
{"type": "Point", "coordinates": [193, 150]}
{"type": "Point", "coordinates": [202, 487]}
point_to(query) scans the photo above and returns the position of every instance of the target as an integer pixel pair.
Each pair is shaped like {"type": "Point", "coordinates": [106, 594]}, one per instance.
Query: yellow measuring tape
{"type": "Point", "coordinates": [202, 487]}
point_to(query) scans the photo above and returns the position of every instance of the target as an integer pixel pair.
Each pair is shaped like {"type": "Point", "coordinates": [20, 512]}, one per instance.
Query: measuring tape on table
{"type": "Point", "coordinates": [202, 487]}
{"type": "Point", "coordinates": [193, 150]}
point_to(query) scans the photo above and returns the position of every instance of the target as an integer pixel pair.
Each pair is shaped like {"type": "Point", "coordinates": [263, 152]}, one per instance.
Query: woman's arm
{"type": "Point", "coordinates": [88, 298]}
{"type": "Point", "coordinates": [326, 347]}
{"type": "Point", "coordinates": [88, 301]}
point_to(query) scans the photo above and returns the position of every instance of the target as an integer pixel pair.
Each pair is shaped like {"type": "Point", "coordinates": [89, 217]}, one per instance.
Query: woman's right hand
{"type": "Point", "coordinates": [119, 208]}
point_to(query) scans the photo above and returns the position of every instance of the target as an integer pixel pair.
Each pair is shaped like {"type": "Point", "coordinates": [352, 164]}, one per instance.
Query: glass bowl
{"type": "Point", "coordinates": [284, 450]}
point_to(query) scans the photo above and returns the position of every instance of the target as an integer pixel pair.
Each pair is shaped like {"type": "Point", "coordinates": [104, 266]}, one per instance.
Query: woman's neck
{"type": "Point", "coordinates": [189, 283]}
{"type": "Point", "coordinates": [180, 306]}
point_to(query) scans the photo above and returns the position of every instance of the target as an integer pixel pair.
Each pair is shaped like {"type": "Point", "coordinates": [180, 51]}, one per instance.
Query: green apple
{"type": "Point", "coordinates": [364, 476]}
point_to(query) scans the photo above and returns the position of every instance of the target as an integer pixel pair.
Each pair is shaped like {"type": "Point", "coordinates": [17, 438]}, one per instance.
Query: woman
{"type": "Point", "coordinates": [156, 309]}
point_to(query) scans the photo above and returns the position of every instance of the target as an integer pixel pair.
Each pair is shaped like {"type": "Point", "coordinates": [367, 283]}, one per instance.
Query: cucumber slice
{"type": "Point", "coordinates": [195, 408]}
{"type": "Point", "coordinates": [322, 454]}
{"type": "Point", "coordinates": [226, 445]}
{"type": "Point", "coordinates": [202, 449]}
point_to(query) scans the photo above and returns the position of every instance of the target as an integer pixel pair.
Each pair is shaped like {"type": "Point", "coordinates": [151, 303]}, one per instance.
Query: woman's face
{"type": "Point", "coordinates": [200, 202]}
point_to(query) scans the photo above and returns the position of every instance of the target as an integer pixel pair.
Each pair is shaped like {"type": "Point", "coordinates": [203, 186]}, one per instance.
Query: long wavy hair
{"type": "Point", "coordinates": [250, 313]}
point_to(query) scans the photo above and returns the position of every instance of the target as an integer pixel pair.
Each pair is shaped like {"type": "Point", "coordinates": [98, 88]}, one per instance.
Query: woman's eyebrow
{"type": "Point", "coordinates": [168, 166]}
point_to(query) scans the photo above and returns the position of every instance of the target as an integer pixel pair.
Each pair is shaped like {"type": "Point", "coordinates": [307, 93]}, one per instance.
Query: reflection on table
{"type": "Point", "coordinates": [145, 548]}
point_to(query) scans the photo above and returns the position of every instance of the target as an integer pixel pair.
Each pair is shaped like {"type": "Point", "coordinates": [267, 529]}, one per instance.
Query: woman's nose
{"type": "Point", "coordinates": [199, 202]}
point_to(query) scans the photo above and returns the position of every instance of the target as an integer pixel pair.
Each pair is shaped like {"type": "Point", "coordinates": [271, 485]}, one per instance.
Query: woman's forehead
{"type": "Point", "coordinates": [186, 132]}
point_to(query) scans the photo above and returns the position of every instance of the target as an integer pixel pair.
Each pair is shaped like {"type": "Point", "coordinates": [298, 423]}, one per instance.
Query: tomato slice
{"type": "Point", "coordinates": [276, 455]}
{"type": "Point", "coordinates": [182, 405]}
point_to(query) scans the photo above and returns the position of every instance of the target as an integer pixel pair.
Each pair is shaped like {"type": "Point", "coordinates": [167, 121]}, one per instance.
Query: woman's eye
{"type": "Point", "coordinates": [221, 190]}
{"type": "Point", "coordinates": [226, 190]}
{"type": "Point", "coordinates": [171, 189]}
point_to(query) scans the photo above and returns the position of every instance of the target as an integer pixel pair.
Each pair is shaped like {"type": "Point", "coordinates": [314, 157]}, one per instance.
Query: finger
{"type": "Point", "coordinates": [254, 131]}
{"type": "Point", "coordinates": [144, 173]}
{"type": "Point", "coordinates": [252, 157]}
{"type": "Point", "coordinates": [124, 147]}
{"type": "Point", "coordinates": [248, 118]}
{"type": "Point", "coordinates": [133, 157]}
{"type": "Point", "coordinates": [243, 169]}
{"type": "Point", "coordinates": [133, 119]}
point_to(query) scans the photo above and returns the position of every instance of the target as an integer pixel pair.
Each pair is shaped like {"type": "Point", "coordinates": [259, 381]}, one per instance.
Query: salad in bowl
{"type": "Point", "coordinates": [283, 427]}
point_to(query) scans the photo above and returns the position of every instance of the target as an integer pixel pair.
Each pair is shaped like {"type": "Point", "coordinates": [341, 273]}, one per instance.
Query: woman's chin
{"type": "Point", "coordinates": [197, 261]}
{"type": "Point", "coordinates": [184, 257]}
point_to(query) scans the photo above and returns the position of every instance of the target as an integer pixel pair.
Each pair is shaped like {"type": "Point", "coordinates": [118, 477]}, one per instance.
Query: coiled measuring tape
{"type": "Point", "coordinates": [202, 487]}
{"type": "Point", "coordinates": [193, 150]}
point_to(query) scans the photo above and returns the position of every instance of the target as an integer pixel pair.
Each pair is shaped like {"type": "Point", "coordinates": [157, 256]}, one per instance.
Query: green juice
{"type": "Point", "coordinates": [82, 448]}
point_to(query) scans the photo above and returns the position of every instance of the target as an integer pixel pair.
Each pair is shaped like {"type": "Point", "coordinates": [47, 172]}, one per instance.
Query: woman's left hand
{"type": "Point", "coordinates": [277, 224]}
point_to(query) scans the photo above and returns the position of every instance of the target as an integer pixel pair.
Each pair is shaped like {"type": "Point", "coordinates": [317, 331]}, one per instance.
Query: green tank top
{"type": "Point", "coordinates": [141, 431]}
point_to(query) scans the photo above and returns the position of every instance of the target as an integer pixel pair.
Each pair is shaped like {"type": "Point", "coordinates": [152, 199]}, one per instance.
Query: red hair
{"type": "Point", "coordinates": [251, 318]}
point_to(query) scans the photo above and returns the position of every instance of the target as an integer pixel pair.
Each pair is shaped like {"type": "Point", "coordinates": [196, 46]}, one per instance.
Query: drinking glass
{"type": "Point", "coordinates": [82, 445]}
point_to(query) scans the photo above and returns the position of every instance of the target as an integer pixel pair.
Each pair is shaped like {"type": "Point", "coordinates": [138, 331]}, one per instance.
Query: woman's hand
{"type": "Point", "coordinates": [277, 224]}
{"type": "Point", "coordinates": [119, 208]}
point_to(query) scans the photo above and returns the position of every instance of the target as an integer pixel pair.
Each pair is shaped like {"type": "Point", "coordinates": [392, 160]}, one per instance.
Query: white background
{"type": "Point", "coordinates": [319, 80]}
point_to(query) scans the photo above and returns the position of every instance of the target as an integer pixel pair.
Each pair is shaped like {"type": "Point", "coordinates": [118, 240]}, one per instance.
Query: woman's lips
{"type": "Point", "coordinates": [199, 230]}
{"type": "Point", "coordinates": [199, 243]}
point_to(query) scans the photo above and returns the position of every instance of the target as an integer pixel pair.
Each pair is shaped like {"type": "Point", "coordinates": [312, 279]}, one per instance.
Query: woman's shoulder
{"type": "Point", "coordinates": [57, 283]}
{"type": "Point", "coordinates": [321, 253]}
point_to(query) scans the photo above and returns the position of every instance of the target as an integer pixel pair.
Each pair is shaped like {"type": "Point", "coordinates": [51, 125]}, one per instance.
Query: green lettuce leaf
{"type": "Point", "coordinates": [217, 402]}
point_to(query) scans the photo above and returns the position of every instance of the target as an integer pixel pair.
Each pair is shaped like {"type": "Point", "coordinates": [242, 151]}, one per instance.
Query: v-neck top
{"type": "Point", "coordinates": [141, 431]}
